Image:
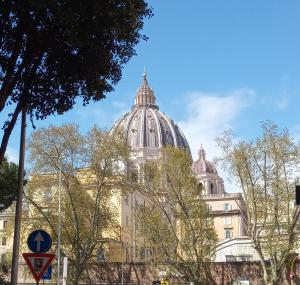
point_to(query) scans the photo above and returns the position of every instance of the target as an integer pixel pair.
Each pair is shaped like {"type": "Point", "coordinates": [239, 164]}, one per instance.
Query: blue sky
{"type": "Point", "coordinates": [213, 65]}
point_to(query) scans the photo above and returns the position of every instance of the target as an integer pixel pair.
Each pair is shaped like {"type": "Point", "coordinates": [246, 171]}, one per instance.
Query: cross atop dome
{"type": "Point", "coordinates": [145, 82]}
{"type": "Point", "coordinates": [144, 95]}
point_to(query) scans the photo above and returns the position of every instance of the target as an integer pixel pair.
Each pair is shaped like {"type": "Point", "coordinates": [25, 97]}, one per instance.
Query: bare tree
{"type": "Point", "coordinates": [266, 170]}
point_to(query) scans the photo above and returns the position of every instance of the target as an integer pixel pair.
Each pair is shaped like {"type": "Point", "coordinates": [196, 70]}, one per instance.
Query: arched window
{"type": "Point", "coordinates": [213, 189]}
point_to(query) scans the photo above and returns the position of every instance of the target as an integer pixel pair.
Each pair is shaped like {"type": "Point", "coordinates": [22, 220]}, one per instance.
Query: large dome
{"type": "Point", "coordinates": [146, 127]}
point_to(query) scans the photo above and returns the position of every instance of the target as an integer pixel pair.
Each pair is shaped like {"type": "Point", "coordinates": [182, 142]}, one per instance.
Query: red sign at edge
{"type": "Point", "coordinates": [46, 261]}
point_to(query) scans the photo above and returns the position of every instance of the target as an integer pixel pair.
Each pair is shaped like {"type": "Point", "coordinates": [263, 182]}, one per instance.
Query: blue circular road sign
{"type": "Point", "coordinates": [39, 241]}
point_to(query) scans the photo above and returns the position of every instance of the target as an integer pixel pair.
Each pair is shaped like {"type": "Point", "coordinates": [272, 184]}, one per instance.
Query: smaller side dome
{"type": "Point", "coordinates": [203, 166]}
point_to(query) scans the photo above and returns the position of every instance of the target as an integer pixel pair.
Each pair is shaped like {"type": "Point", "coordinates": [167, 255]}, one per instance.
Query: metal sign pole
{"type": "Point", "coordinates": [65, 271]}
{"type": "Point", "coordinates": [59, 222]}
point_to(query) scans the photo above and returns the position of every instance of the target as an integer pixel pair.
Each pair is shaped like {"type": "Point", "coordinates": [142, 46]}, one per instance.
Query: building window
{"type": "Point", "coordinates": [142, 253]}
{"type": "Point", "coordinates": [4, 241]}
{"type": "Point", "coordinates": [227, 207]}
{"type": "Point", "coordinates": [240, 258]}
{"type": "Point", "coordinates": [4, 224]}
{"type": "Point", "coordinates": [228, 233]}
{"type": "Point", "coordinates": [126, 220]}
{"type": "Point", "coordinates": [230, 258]}
{"type": "Point", "coordinates": [227, 221]}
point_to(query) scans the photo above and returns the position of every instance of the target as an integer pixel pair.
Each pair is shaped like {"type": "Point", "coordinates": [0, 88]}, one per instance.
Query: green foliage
{"type": "Point", "coordinates": [91, 170]}
{"type": "Point", "coordinates": [5, 263]}
{"type": "Point", "coordinates": [266, 169]}
{"type": "Point", "coordinates": [178, 225]}
{"type": "Point", "coordinates": [54, 51]}
{"type": "Point", "coordinates": [3, 280]}
{"type": "Point", "coordinates": [8, 184]}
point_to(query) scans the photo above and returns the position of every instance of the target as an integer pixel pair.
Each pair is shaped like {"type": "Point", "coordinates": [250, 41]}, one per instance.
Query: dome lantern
{"type": "Point", "coordinates": [201, 153]}
{"type": "Point", "coordinates": [144, 95]}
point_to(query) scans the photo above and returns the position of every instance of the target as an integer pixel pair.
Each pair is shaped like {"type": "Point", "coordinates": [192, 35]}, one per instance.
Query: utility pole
{"type": "Point", "coordinates": [18, 216]}
{"type": "Point", "coordinates": [59, 221]}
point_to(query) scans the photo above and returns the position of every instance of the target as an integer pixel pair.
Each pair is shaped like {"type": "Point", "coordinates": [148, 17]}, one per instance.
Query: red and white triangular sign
{"type": "Point", "coordinates": [38, 263]}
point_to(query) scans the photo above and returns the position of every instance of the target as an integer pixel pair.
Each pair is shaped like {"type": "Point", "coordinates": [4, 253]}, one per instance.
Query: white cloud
{"type": "Point", "coordinates": [209, 115]}
{"type": "Point", "coordinates": [282, 104]}
{"type": "Point", "coordinates": [119, 105]}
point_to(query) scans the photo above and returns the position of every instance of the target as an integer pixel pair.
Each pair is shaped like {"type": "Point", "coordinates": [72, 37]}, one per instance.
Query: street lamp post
{"type": "Point", "coordinates": [60, 157]}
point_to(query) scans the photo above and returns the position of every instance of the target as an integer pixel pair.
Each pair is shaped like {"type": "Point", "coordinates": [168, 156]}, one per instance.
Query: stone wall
{"type": "Point", "coordinates": [224, 273]}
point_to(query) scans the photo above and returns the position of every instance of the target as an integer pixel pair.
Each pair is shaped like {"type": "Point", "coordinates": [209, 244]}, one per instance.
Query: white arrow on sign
{"type": "Point", "coordinates": [38, 238]}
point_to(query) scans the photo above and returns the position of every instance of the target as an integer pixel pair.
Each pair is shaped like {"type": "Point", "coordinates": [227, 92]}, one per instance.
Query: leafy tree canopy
{"type": "Point", "coordinates": [178, 225]}
{"type": "Point", "coordinates": [92, 175]}
{"type": "Point", "coordinates": [8, 184]}
{"type": "Point", "coordinates": [53, 51]}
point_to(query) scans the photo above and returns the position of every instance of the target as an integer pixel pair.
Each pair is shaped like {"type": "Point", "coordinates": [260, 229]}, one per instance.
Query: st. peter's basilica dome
{"type": "Point", "coordinates": [146, 127]}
